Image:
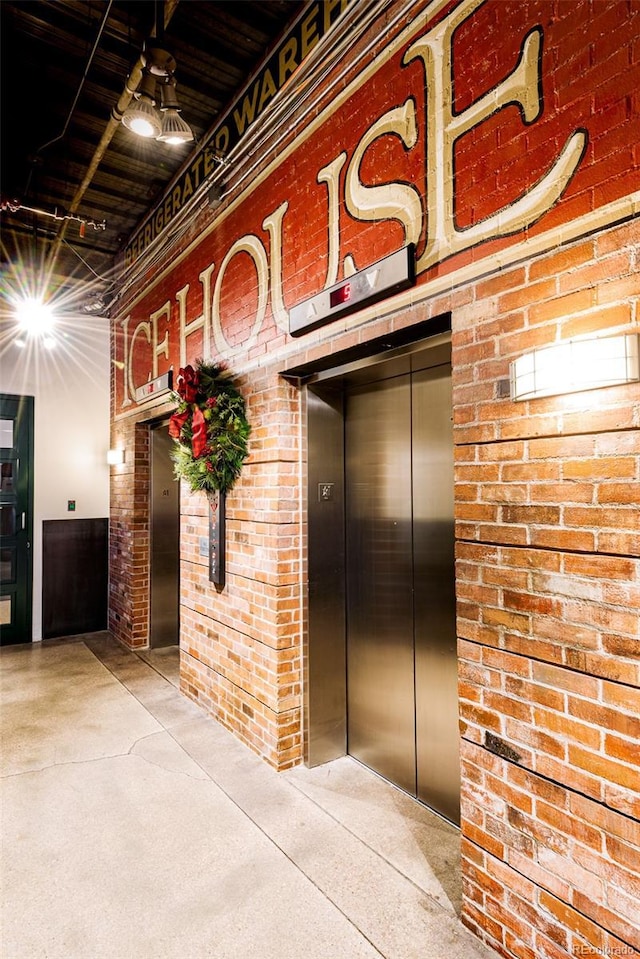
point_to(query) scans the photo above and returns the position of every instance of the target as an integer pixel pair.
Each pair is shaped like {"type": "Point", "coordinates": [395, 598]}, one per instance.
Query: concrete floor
{"type": "Point", "coordinates": [136, 827]}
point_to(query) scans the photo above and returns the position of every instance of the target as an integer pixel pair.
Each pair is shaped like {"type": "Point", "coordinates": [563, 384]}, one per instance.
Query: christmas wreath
{"type": "Point", "coordinates": [210, 428]}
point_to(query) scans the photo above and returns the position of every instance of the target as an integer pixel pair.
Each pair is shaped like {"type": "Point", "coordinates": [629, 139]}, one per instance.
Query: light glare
{"type": "Point", "coordinates": [142, 127]}
{"type": "Point", "coordinates": [34, 317]}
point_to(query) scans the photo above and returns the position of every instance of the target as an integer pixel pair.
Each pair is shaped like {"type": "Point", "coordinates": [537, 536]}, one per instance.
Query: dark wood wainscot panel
{"type": "Point", "coordinates": [74, 576]}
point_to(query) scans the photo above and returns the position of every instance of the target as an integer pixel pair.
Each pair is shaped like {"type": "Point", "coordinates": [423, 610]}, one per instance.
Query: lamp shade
{"type": "Point", "coordinates": [175, 130]}
{"type": "Point", "coordinates": [142, 118]}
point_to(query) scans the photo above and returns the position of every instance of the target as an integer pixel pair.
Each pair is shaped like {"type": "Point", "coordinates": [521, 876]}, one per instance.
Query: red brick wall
{"type": "Point", "coordinates": [548, 585]}
{"type": "Point", "coordinates": [129, 536]}
{"type": "Point", "coordinates": [241, 648]}
{"type": "Point", "coordinates": [546, 492]}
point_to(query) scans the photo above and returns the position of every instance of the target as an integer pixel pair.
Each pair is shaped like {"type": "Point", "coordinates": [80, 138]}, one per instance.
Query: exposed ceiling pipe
{"type": "Point", "coordinates": [113, 123]}
{"type": "Point", "coordinates": [14, 206]}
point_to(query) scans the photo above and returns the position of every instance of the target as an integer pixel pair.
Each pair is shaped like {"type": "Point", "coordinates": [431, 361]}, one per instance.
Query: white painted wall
{"type": "Point", "coordinates": [70, 386]}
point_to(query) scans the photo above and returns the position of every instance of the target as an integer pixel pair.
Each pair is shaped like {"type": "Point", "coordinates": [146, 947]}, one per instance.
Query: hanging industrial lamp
{"type": "Point", "coordinates": [175, 130]}
{"type": "Point", "coordinates": [142, 116]}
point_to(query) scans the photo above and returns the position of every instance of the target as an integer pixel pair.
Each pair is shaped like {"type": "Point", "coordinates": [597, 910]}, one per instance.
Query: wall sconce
{"type": "Point", "coordinates": [576, 365]}
{"type": "Point", "coordinates": [115, 457]}
{"type": "Point", "coordinates": [142, 116]}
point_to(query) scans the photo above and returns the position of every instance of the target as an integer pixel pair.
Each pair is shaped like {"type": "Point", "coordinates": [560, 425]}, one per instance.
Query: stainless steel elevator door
{"type": "Point", "coordinates": [380, 667]}
{"type": "Point", "coordinates": [402, 709]}
{"type": "Point", "coordinates": [436, 682]}
{"type": "Point", "coordinates": [164, 629]}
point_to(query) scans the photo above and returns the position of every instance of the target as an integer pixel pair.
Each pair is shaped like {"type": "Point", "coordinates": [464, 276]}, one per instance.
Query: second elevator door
{"type": "Point", "coordinates": [402, 713]}
{"type": "Point", "coordinates": [164, 625]}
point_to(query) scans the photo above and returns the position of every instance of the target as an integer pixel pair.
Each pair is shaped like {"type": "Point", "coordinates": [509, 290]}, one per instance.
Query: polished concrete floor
{"type": "Point", "coordinates": [136, 827]}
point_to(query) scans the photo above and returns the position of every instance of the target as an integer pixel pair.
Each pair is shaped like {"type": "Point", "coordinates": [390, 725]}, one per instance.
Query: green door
{"type": "Point", "coordinates": [16, 517]}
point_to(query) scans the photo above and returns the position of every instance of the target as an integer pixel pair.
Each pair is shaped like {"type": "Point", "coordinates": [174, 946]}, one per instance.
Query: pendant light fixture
{"type": "Point", "coordinates": [142, 116]}
{"type": "Point", "coordinates": [175, 130]}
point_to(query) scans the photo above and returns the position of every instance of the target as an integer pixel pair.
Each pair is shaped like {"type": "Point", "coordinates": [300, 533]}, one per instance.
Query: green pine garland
{"type": "Point", "coordinates": [210, 428]}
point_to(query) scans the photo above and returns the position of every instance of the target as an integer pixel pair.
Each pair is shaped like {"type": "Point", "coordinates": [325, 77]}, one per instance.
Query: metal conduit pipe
{"type": "Point", "coordinates": [113, 123]}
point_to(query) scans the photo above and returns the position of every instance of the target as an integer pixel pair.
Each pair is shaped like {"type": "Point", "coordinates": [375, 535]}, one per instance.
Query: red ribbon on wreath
{"type": "Point", "coordinates": [198, 432]}
{"type": "Point", "coordinates": [176, 423]}
{"type": "Point", "coordinates": [187, 388]}
{"type": "Point", "coordinates": [188, 384]}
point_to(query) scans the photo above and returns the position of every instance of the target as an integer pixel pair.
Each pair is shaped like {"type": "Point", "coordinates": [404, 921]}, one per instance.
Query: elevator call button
{"type": "Point", "coordinates": [325, 492]}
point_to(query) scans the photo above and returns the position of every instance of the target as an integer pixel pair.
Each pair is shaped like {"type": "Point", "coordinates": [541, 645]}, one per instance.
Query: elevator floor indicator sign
{"type": "Point", "coordinates": [390, 275]}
